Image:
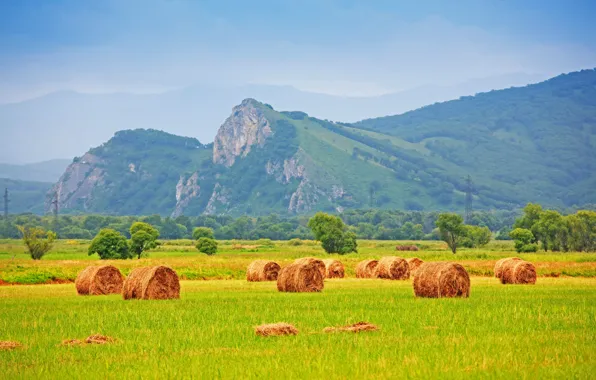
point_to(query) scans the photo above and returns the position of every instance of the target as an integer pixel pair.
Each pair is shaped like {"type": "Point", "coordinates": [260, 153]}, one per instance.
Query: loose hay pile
{"type": "Point", "coordinates": [9, 345]}
{"type": "Point", "coordinates": [441, 279]}
{"type": "Point", "coordinates": [300, 277]}
{"type": "Point", "coordinates": [407, 248]}
{"type": "Point", "coordinates": [262, 270]}
{"type": "Point", "coordinates": [99, 339]}
{"type": "Point", "coordinates": [319, 263]}
{"type": "Point", "coordinates": [392, 268]}
{"type": "Point", "coordinates": [517, 271]}
{"type": "Point", "coordinates": [276, 329]}
{"type": "Point", "coordinates": [414, 263]}
{"type": "Point", "coordinates": [356, 327]}
{"type": "Point", "coordinates": [98, 280]}
{"type": "Point", "coordinates": [333, 269]}
{"type": "Point", "coordinates": [499, 266]}
{"type": "Point", "coordinates": [151, 283]}
{"type": "Point", "coordinates": [366, 268]}
{"type": "Point", "coordinates": [72, 342]}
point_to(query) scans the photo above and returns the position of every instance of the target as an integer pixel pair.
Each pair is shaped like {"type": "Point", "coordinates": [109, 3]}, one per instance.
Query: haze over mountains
{"type": "Point", "coordinates": [66, 124]}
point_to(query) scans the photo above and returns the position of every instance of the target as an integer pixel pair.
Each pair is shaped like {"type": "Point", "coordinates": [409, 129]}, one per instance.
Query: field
{"type": "Point", "coordinates": [543, 331]}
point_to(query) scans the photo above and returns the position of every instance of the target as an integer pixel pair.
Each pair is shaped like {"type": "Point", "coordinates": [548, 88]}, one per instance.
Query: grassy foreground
{"type": "Point", "coordinates": [542, 331]}
{"type": "Point", "coordinates": [69, 257]}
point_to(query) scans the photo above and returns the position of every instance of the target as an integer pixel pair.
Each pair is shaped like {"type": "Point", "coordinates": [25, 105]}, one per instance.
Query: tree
{"type": "Point", "coordinates": [109, 244]}
{"type": "Point", "coordinates": [37, 240]}
{"type": "Point", "coordinates": [523, 239]}
{"type": "Point", "coordinates": [207, 245]}
{"type": "Point", "coordinates": [451, 229]}
{"type": "Point", "coordinates": [143, 237]}
{"type": "Point", "coordinates": [200, 232]}
{"type": "Point", "coordinates": [331, 232]}
{"type": "Point", "coordinates": [531, 215]}
{"type": "Point", "coordinates": [323, 223]}
{"type": "Point", "coordinates": [476, 236]}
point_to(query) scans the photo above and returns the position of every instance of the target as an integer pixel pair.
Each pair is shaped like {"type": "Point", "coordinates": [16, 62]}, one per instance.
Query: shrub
{"type": "Point", "coordinates": [109, 244]}
{"type": "Point", "coordinates": [202, 232]}
{"type": "Point", "coordinates": [295, 242]}
{"type": "Point", "coordinates": [37, 240]}
{"type": "Point", "coordinates": [265, 243]}
{"type": "Point", "coordinates": [533, 247]}
{"type": "Point", "coordinates": [207, 245]}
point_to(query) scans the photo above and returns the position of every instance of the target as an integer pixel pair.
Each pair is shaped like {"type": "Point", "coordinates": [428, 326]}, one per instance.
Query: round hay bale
{"type": "Point", "coordinates": [319, 263]}
{"type": "Point", "coordinates": [414, 263]}
{"type": "Point", "coordinates": [518, 272]}
{"type": "Point", "coordinates": [262, 270]}
{"type": "Point", "coordinates": [334, 269]}
{"type": "Point", "coordinates": [392, 268]}
{"type": "Point", "coordinates": [151, 283]}
{"type": "Point", "coordinates": [499, 266]}
{"type": "Point", "coordinates": [98, 280]}
{"type": "Point", "coordinates": [366, 269]}
{"type": "Point", "coordinates": [441, 279]}
{"type": "Point", "coordinates": [300, 277]}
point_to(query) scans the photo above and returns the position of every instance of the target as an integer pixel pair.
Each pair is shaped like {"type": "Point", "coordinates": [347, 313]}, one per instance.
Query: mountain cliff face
{"type": "Point", "coordinates": [265, 161]}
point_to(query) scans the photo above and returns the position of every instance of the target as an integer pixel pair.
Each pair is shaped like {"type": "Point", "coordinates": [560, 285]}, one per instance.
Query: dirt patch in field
{"type": "Point", "coordinates": [276, 329]}
{"type": "Point", "coordinates": [356, 327]}
{"type": "Point", "coordinates": [9, 345]}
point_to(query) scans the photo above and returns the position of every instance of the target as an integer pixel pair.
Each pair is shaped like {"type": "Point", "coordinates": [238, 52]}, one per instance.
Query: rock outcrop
{"type": "Point", "coordinates": [245, 128]}
{"type": "Point", "coordinates": [77, 183]}
{"type": "Point", "coordinates": [186, 190]}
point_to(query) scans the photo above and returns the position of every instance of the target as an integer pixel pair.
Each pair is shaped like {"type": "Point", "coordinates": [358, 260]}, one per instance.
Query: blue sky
{"type": "Point", "coordinates": [350, 48]}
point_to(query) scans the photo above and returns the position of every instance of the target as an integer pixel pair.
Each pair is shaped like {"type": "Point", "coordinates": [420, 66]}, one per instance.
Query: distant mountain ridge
{"type": "Point", "coordinates": [535, 143]}
{"type": "Point", "coordinates": [46, 171]}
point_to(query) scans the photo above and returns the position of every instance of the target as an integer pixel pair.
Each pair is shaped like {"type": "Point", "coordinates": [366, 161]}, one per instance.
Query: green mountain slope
{"type": "Point", "coordinates": [535, 143]}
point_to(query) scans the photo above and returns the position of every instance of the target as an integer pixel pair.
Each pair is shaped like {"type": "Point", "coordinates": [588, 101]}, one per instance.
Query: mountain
{"type": "Point", "coordinates": [68, 123]}
{"type": "Point", "coordinates": [24, 196]}
{"type": "Point", "coordinates": [46, 171]}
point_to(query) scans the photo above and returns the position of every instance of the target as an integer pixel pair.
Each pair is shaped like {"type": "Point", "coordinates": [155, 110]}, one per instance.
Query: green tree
{"type": "Point", "coordinates": [476, 236]}
{"type": "Point", "coordinates": [37, 240]}
{"type": "Point", "coordinates": [530, 217]}
{"type": "Point", "coordinates": [200, 232]}
{"type": "Point", "coordinates": [331, 232]}
{"type": "Point", "coordinates": [143, 237]}
{"type": "Point", "coordinates": [109, 244]}
{"type": "Point", "coordinates": [549, 230]}
{"type": "Point", "coordinates": [322, 224]}
{"type": "Point", "coordinates": [451, 229]}
{"type": "Point", "coordinates": [207, 245]}
{"type": "Point", "coordinates": [523, 239]}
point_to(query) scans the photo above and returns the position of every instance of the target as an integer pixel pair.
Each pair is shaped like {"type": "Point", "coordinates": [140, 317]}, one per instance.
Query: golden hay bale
{"type": "Point", "coordinates": [441, 279]}
{"type": "Point", "coordinates": [296, 277]}
{"type": "Point", "coordinates": [98, 280]}
{"type": "Point", "coordinates": [366, 268]}
{"type": "Point", "coordinates": [151, 283]}
{"type": "Point", "coordinates": [414, 263]}
{"type": "Point", "coordinates": [9, 345]}
{"type": "Point", "coordinates": [499, 265]}
{"type": "Point", "coordinates": [276, 329]}
{"type": "Point", "coordinates": [333, 269]}
{"type": "Point", "coordinates": [407, 248]}
{"type": "Point", "coordinates": [392, 268]}
{"type": "Point", "coordinates": [262, 270]}
{"type": "Point", "coordinates": [518, 272]}
{"type": "Point", "coordinates": [356, 327]}
{"type": "Point", "coordinates": [318, 262]}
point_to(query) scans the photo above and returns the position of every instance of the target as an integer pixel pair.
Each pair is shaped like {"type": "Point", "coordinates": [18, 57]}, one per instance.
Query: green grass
{"type": "Point", "coordinates": [542, 331]}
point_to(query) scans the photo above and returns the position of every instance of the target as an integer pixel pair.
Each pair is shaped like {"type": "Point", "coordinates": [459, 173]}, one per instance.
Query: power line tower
{"type": "Point", "coordinates": [469, 191]}
{"type": "Point", "coordinates": [55, 210]}
{"type": "Point", "coordinates": [6, 201]}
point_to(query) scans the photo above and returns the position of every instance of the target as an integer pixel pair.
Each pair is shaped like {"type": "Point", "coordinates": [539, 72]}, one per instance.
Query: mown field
{"type": "Point", "coordinates": [68, 257]}
{"type": "Point", "coordinates": [542, 331]}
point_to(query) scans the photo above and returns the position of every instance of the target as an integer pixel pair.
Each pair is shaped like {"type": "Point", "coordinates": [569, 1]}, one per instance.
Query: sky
{"type": "Point", "coordinates": [345, 48]}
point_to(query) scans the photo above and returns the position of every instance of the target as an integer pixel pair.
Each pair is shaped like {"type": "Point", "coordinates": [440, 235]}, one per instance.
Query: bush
{"type": "Point", "coordinates": [34, 240]}
{"type": "Point", "coordinates": [207, 245]}
{"type": "Point", "coordinates": [265, 243]}
{"type": "Point", "coordinates": [295, 242]}
{"type": "Point", "coordinates": [202, 232]}
{"type": "Point", "coordinates": [527, 248]}
{"type": "Point", "coordinates": [109, 244]}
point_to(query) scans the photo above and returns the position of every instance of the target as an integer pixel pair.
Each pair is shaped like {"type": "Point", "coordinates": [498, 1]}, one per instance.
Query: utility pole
{"type": "Point", "coordinates": [55, 210]}
{"type": "Point", "coordinates": [6, 201]}
{"type": "Point", "coordinates": [469, 190]}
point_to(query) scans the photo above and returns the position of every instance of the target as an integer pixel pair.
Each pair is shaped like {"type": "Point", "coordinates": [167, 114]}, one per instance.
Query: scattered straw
{"type": "Point", "coordinates": [99, 339]}
{"type": "Point", "coordinates": [276, 329]}
{"type": "Point", "coordinates": [9, 345]}
{"type": "Point", "coordinates": [72, 342]}
{"type": "Point", "coordinates": [356, 327]}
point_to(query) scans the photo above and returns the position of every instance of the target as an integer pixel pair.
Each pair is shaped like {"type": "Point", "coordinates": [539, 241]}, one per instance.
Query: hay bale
{"type": "Point", "coordinates": [98, 280]}
{"type": "Point", "coordinates": [441, 279]}
{"type": "Point", "coordinates": [276, 329]}
{"type": "Point", "coordinates": [151, 283]}
{"type": "Point", "coordinates": [356, 327]}
{"type": "Point", "coordinates": [318, 262]}
{"type": "Point", "coordinates": [392, 268]}
{"type": "Point", "coordinates": [499, 266]}
{"type": "Point", "coordinates": [407, 248]}
{"type": "Point", "coordinates": [334, 269]}
{"type": "Point", "coordinates": [262, 270]}
{"type": "Point", "coordinates": [300, 277]}
{"type": "Point", "coordinates": [414, 263]}
{"type": "Point", "coordinates": [366, 268]}
{"type": "Point", "coordinates": [518, 272]}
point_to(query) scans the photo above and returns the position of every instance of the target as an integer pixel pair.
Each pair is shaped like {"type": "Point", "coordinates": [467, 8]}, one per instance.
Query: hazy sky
{"type": "Point", "coordinates": [352, 48]}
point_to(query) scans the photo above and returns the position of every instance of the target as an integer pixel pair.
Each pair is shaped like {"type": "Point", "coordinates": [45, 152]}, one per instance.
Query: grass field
{"type": "Point", "coordinates": [69, 257]}
{"type": "Point", "coordinates": [542, 331]}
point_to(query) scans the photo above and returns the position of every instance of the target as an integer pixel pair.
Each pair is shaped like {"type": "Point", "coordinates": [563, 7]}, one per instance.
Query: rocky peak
{"type": "Point", "coordinates": [245, 128]}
